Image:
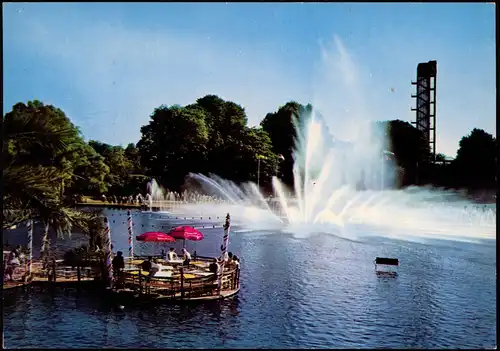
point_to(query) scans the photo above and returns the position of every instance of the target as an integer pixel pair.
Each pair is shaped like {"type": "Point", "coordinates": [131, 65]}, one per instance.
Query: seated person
{"type": "Point", "coordinates": [13, 259]}
{"type": "Point", "coordinates": [118, 263]}
{"type": "Point", "coordinates": [236, 261]}
{"type": "Point", "coordinates": [146, 265]}
{"type": "Point", "coordinates": [17, 250]}
{"type": "Point", "coordinates": [230, 257]}
{"type": "Point", "coordinates": [171, 255]}
{"type": "Point", "coordinates": [187, 257]}
{"type": "Point", "coordinates": [155, 267]}
{"type": "Point", "coordinates": [12, 264]}
{"type": "Point", "coordinates": [214, 266]}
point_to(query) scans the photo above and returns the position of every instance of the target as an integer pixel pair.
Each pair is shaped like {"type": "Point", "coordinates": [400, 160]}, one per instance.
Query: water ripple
{"type": "Point", "coordinates": [316, 293]}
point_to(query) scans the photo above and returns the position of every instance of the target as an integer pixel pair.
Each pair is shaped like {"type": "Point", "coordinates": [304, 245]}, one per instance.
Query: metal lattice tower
{"type": "Point", "coordinates": [426, 103]}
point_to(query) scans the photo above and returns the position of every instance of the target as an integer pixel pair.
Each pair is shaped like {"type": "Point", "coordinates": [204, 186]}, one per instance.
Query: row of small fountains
{"type": "Point", "coordinates": [184, 196]}
{"type": "Point", "coordinates": [187, 196]}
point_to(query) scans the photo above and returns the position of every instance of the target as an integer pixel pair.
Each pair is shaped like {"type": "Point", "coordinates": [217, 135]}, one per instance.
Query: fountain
{"type": "Point", "coordinates": [340, 188]}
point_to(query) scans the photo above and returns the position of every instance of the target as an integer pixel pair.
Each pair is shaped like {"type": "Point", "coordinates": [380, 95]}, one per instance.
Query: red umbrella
{"type": "Point", "coordinates": [186, 232]}
{"type": "Point", "coordinates": [155, 237]}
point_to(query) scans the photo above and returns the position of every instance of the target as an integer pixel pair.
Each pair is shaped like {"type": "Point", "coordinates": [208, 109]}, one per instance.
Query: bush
{"type": "Point", "coordinates": [83, 257]}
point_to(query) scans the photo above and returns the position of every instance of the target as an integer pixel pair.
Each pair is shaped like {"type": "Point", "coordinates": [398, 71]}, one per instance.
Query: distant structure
{"type": "Point", "coordinates": [426, 103]}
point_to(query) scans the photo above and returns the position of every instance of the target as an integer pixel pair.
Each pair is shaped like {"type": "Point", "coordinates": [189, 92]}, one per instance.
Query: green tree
{"type": "Point", "coordinates": [119, 169]}
{"type": "Point", "coordinates": [99, 147]}
{"type": "Point", "coordinates": [124, 176]}
{"type": "Point", "coordinates": [244, 153]}
{"type": "Point", "coordinates": [134, 157]}
{"type": "Point", "coordinates": [280, 126]}
{"type": "Point", "coordinates": [174, 143]}
{"type": "Point", "coordinates": [412, 153]}
{"type": "Point", "coordinates": [231, 140]}
{"type": "Point", "coordinates": [440, 157]}
{"type": "Point", "coordinates": [475, 163]}
{"type": "Point", "coordinates": [90, 178]}
{"type": "Point", "coordinates": [225, 123]}
{"type": "Point", "coordinates": [38, 152]}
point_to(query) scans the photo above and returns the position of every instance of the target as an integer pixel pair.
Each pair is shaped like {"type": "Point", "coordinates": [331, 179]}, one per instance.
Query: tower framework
{"type": "Point", "coordinates": [426, 103]}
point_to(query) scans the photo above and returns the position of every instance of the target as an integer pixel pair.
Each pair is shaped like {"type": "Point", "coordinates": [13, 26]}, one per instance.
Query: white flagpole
{"type": "Point", "coordinates": [30, 248]}
{"type": "Point", "coordinates": [130, 236]}
{"type": "Point", "coordinates": [107, 252]}
{"type": "Point", "coordinates": [225, 243]}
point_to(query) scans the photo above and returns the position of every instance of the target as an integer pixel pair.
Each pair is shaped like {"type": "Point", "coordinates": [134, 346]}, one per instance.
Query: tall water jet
{"type": "Point", "coordinates": [156, 195]}
{"type": "Point", "coordinates": [343, 183]}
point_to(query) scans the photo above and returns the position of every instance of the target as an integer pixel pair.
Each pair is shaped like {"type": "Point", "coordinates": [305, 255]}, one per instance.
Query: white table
{"type": "Point", "coordinates": [130, 269]}
{"type": "Point", "coordinates": [162, 274]}
{"type": "Point", "coordinates": [203, 274]}
{"type": "Point", "coordinates": [177, 261]}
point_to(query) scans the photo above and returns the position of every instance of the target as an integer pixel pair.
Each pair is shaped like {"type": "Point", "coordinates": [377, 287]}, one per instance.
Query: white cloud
{"type": "Point", "coordinates": [115, 75]}
{"type": "Point", "coordinates": [122, 74]}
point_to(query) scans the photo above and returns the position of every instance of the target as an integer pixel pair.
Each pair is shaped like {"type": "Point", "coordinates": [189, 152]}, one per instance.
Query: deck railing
{"type": "Point", "coordinates": [50, 270]}
{"type": "Point", "coordinates": [56, 270]}
{"type": "Point", "coordinates": [180, 284]}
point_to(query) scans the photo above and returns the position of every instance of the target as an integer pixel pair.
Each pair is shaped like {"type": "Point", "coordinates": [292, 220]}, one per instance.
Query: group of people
{"type": "Point", "coordinates": [172, 256]}
{"type": "Point", "coordinates": [13, 261]}
{"type": "Point", "coordinates": [152, 266]}
{"type": "Point", "coordinates": [229, 259]}
{"type": "Point", "coordinates": [137, 199]}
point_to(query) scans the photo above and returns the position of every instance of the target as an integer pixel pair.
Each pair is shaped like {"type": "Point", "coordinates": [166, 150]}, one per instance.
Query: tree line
{"type": "Point", "coordinates": [47, 162]}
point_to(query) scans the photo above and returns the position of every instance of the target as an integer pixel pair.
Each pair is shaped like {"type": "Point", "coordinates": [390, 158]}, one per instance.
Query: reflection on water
{"type": "Point", "coordinates": [320, 292]}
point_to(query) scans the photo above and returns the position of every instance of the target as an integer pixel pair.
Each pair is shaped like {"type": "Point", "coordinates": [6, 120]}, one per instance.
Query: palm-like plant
{"type": "Point", "coordinates": [34, 136]}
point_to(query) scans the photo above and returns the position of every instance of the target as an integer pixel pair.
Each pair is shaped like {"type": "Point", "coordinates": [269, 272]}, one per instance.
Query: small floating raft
{"type": "Point", "coordinates": [383, 266]}
{"type": "Point", "coordinates": [183, 284]}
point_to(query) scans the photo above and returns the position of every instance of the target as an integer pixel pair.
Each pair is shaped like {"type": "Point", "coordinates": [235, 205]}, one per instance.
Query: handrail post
{"type": "Point", "coordinates": [140, 279]}
{"type": "Point", "coordinates": [54, 270]}
{"type": "Point", "coordinates": [182, 282]}
{"type": "Point", "coordinates": [237, 277]}
{"type": "Point", "coordinates": [79, 275]}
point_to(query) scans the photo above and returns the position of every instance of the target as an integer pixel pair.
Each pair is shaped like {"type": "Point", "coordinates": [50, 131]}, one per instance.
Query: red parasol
{"type": "Point", "coordinates": [158, 237]}
{"type": "Point", "coordinates": [186, 232]}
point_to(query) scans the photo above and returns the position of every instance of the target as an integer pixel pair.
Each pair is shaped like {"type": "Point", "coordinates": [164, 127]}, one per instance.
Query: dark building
{"type": "Point", "coordinates": [426, 103]}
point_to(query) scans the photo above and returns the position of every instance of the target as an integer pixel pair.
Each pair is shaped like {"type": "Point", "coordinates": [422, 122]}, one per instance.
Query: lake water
{"type": "Point", "coordinates": [319, 292]}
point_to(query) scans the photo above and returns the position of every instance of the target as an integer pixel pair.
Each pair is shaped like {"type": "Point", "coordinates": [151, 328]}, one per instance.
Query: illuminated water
{"type": "Point", "coordinates": [338, 151]}
{"type": "Point", "coordinates": [307, 278]}
{"type": "Point", "coordinates": [318, 292]}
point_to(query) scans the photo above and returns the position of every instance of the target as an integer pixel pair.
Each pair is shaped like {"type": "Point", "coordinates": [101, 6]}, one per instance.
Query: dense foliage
{"type": "Point", "coordinates": [47, 162]}
{"type": "Point", "coordinates": [209, 136]}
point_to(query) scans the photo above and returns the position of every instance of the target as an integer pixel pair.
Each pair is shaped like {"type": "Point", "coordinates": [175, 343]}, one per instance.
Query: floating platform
{"type": "Point", "coordinates": [176, 283]}
{"type": "Point", "coordinates": [172, 281]}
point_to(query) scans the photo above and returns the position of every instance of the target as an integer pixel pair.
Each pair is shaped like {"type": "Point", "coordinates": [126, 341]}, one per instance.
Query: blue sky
{"type": "Point", "coordinates": [108, 65]}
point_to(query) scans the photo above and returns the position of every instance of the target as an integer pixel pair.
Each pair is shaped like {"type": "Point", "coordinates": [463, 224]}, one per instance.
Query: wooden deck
{"type": "Point", "coordinates": [12, 285]}
{"type": "Point", "coordinates": [65, 276]}
{"type": "Point", "coordinates": [193, 283]}
{"type": "Point", "coordinates": [182, 283]}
